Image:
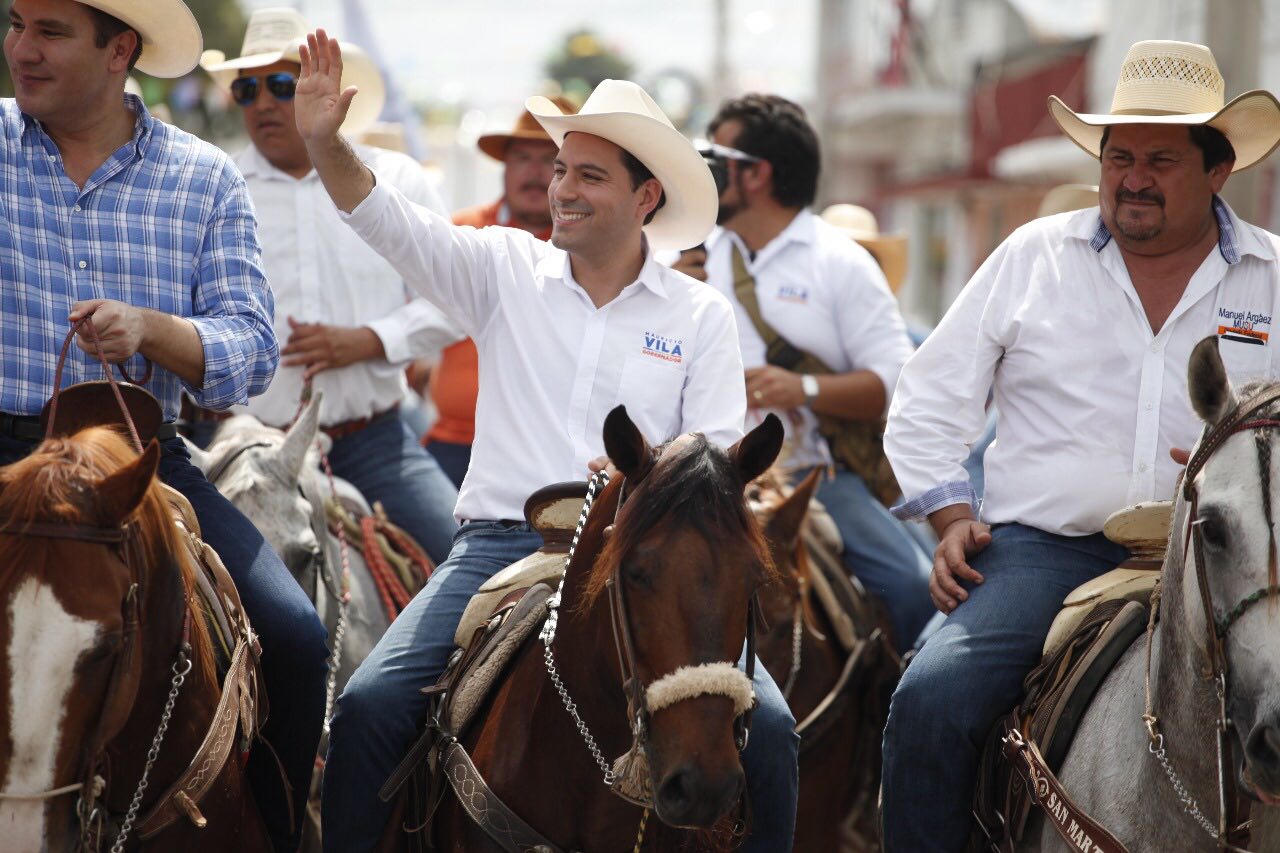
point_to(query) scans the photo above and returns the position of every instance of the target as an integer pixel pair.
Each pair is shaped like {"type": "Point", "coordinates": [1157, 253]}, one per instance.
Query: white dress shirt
{"type": "Point", "coordinates": [826, 295]}
{"type": "Point", "coordinates": [552, 364]}
{"type": "Point", "coordinates": [322, 273]}
{"type": "Point", "coordinates": [1089, 401]}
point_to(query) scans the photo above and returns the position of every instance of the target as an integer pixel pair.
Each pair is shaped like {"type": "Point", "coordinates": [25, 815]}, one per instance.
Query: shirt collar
{"type": "Point", "coordinates": [1234, 240]}
{"type": "Point", "coordinates": [143, 125]}
{"type": "Point", "coordinates": [253, 164]}
{"type": "Point", "coordinates": [555, 264]}
{"type": "Point", "coordinates": [801, 229]}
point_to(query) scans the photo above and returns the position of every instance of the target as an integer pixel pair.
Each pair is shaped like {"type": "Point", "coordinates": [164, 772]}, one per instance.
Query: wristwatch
{"type": "Point", "coordinates": [809, 384]}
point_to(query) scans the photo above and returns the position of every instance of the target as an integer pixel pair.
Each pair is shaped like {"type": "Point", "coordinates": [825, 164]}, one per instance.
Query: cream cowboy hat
{"type": "Point", "coordinates": [889, 250]}
{"type": "Point", "coordinates": [171, 39]}
{"type": "Point", "coordinates": [1175, 82]}
{"type": "Point", "coordinates": [275, 34]}
{"type": "Point", "coordinates": [1067, 197]}
{"type": "Point", "coordinates": [623, 113]}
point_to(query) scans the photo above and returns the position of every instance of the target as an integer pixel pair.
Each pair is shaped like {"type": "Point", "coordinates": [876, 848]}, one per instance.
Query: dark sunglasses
{"type": "Point", "coordinates": [717, 158]}
{"type": "Point", "coordinates": [281, 85]}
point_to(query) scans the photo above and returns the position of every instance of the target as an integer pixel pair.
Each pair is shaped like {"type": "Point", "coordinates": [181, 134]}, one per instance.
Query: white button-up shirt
{"type": "Point", "coordinates": [322, 273]}
{"type": "Point", "coordinates": [1089, 400]}
{"type": "Point", "coordinates": [827, 296]}
{"type": "Point", "coordinates": [552, 364]}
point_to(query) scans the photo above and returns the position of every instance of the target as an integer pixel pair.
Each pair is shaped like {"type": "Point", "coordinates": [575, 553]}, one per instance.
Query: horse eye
{"type": "Point", "coordinates": [1213, 532]}
{"type": "Point", "coordinates": [637, 576]}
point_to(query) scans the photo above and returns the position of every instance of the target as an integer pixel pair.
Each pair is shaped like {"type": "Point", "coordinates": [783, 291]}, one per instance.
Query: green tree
{"type": "Point", "coordinates": [582, 61]}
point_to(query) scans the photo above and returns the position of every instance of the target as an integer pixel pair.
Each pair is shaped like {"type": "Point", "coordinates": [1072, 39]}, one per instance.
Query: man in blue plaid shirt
{"type": "Point", "coordinates": [110, 212]}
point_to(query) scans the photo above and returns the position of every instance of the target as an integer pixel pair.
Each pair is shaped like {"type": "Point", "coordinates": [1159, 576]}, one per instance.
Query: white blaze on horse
{"type": "Point", "coordinates": [1224, 619]}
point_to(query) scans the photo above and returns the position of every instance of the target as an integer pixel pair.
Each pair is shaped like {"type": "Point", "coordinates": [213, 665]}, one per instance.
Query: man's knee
{"type": "Point", "coordinates": [939, 700]}
{"type": "Point", "coordinates": [296, 638]}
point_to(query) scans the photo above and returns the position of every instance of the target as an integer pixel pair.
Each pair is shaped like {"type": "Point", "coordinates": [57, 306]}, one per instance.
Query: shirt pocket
{"type": "Point", "coordinates": [1245, 362]}
{"type": "Point", "coordinates": [652, 391]}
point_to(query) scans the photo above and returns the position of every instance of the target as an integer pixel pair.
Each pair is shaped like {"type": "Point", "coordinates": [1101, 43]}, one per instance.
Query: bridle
{"type": "Point", "coordinates": [1233, 814]}
{"type": "Point", "coordinates": [684, 683]}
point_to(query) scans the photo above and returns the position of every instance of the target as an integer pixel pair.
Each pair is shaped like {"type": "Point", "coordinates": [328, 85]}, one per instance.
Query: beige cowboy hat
{"type": "Point", "coordinates": [1176, 82]}
{"type": "Point", "coordinates": [889, 250]}
{"type": "Point", "coordinates": [275, 34]}
{"type": "Point", "coordinates": [526, 127]}
{"type": "Point", "coordinates": [623, 113]}
{"type": "Point", "coordinates": [171, 39]}
{"type": "Point", "coordinates": [1067, 197]}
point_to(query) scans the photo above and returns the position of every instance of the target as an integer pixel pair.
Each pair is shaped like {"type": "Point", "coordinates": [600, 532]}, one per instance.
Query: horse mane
{"type": "Point", "coordinates": [691, 482]}
{"type": "Point", "coordinates": [55, 484]}
{"type": "Point", "coordinates": [773, 484]}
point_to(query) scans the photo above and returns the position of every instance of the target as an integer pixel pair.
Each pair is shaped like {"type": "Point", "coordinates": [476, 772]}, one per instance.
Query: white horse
{"type": "Point", "coordinates": [1114, 769]}
{"type": "Point", "coordinates": [274, 478]}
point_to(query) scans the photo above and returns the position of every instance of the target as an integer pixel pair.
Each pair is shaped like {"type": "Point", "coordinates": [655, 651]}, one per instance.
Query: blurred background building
{"type": "Point", "coordinates": [932, 112]}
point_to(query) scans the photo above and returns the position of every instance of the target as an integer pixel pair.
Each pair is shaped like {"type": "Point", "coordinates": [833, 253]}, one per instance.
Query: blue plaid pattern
{"type": "Point", "coordinates": [954, 492]}
{"type": "Point", "coordinates": [1227, 243]}
{"type": "Point", "coordinates": [165, 223]}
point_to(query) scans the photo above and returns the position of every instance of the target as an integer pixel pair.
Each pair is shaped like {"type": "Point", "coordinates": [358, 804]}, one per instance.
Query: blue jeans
{"type": "Point", "coordinates": [969, 674]}
{"type": "Point", "coordinates": [454, 458]}
{"type": "Point", "coordinates": [386, 463]}
{"type": "Point", "coordinates": [379, 713]}
{"type": "Point", "coordinates": [881, 553]}
{"type": "Point", "coordinates": [294, 656]}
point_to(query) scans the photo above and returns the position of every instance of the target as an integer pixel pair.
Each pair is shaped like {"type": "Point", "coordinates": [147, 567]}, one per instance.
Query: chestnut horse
{"type": "Point", "coordinates": [840, 699]}
{"type": "Point", "coordinates": [679, 567]}
{"type": "Point", "coordinates": [97, 631]}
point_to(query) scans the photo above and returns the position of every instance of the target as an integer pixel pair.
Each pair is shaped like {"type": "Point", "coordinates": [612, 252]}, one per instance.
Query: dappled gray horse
{"type": "Point", "coordinates": [275, 479]}
{"type": "Point", "coordinates": [1112, 770]}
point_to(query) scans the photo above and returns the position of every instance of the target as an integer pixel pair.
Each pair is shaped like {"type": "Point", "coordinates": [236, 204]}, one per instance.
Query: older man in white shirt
{"type": "Point", "coordinates": [1082, 325]}
{"type": "Point", "coordinates": [565, 331]}
{"type": "Point", "coordinates": [347, 322]}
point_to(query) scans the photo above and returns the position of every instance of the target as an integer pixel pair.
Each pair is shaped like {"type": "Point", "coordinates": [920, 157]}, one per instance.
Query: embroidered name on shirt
{"type": "Point", "coordinates": [667, 349]}
{"type": "Point", "coordinates": [1243, 326]}
{"type": "Point", "coordinates": [793, 293]}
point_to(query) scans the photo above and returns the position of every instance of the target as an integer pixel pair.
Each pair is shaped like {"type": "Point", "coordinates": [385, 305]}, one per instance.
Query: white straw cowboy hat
{"type": "Point", "coordinates": [276, 34]}
{"type": "Point", "coordinates": [1067, 197]}
{"type": "Point", "coordinates": [889, 250]}
{"type": "Point", "coordinates": [1175, 82]}
{"type": "Point", "coordinates": [171, 39]}
{"type": "Point", "coordinates": [623, 113]}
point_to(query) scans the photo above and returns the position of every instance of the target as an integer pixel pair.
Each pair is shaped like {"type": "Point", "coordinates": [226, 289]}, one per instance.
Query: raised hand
{"type": "Point", "coordinates": [320, 103]}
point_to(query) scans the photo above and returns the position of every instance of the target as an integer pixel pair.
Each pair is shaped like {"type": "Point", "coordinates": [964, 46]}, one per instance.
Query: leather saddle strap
{"type": "Point", "coordinates": [209, 760]}
{"type": "Point", "coordinates": [1077, 829]}
{"type": "Point", "coordinates": [492, 815]}
{"type": "Point", "coordinates": [87, 321]}
{"type": "Point", "coordinates": [812, 727]}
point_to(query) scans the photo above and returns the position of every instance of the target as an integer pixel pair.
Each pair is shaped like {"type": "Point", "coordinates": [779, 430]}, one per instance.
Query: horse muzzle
{"type": "Point", "coordinates": [689, 797]}
{"type": "Point", "coordinates": [1260, 771]}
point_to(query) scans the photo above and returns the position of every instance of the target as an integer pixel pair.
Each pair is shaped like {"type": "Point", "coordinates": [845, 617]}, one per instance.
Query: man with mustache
{"type": "Point", "coordinates": [1081, 324]}
{"type": "Point", "coordinates": [113, 214]}
{"type": "Point", "coordinates": [348, 321]}
{"type": "Point", "coordinates": [528, 158]}
{"type": "Point", "coordinates": [566, 330]}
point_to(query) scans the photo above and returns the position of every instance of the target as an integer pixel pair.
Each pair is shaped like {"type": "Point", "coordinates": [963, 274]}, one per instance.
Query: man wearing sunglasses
{"type": "Point", "coordinates": [111, 213]}
{"type": "Point", "coordinates": [347, 322]}
{"type": "Point", "coordinates": [802, 288]}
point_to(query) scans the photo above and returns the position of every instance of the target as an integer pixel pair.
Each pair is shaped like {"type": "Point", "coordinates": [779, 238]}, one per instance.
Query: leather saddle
{"type": "Point", "coordinates": [1098, 623]}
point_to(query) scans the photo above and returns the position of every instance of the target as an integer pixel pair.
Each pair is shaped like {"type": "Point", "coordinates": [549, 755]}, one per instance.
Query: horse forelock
{"type": "Point", "coordinates": [692, 483]}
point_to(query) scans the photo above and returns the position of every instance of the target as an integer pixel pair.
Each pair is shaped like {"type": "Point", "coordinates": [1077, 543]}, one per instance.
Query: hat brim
{"type": "Point", "coordinates": [1251, 122]}
{"type": "Point", "coordinates": [692, 202]}
{"type": "Point", "coordinates": [890, 252]}
{"type": "Point", "coordinates": [495, 144]}
{"type": "Point", "coordinates": [171, 37]}
{"type": "Point", "coordinates": [357, 70]}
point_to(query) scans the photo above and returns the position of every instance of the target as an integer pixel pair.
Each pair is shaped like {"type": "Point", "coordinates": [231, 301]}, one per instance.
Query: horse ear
{"type": "Point", "coordinates": [1207, 382]}
{"type": "Point", "coordinates": [298, 440]}
{"type": "Point", "coordinates": [627, 449]}
{"type": "Point", "coordinates": [119, 494]}
{"type": "Point", "coordinates": [758, 448]}
{"type": "Point", "coordinates": [784, 526]}
{"type": "Point", "coordinates": [199, 458]}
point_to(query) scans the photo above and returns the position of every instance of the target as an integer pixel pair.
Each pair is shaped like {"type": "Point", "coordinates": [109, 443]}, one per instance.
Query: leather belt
{"type": "Point", "coordinates": [355, 425]}
{"type": "Point", "coordinates": [29, 428]}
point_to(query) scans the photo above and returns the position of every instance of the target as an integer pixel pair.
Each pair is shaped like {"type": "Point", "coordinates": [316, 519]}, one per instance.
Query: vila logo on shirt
{"type": "Point", "coordinates": [1247, 327]}
{"type": "Point", "coordinates": [667, 349]}
{"type": "Point", "coordinates": [793, 293]}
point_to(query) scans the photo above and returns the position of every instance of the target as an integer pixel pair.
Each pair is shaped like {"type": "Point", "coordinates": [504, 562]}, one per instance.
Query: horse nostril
{"type": "Point", "coordinates": [1263, 748]}
{"type": "Point", "coordinates": [676, 795]}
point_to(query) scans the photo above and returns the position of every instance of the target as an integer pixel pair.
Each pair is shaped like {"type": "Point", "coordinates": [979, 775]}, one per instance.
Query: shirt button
{"type": "Point", "coordinates": [1148, 407]}
{"type": "Point", "coordinates": [76, 208]}
{"type": "Point", "coordinates": [1155, 348]}
{"type": "Point", "coordinates": [84, 264]}
{"type": "Point", "coordinates": [1142, 467]}
{"type": "Point", "coordinates": [53, 159]}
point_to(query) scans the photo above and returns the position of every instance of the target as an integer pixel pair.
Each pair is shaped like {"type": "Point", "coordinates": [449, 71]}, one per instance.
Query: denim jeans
{"type": "Point", "coordinates": [386, 463]}
{"type": "Point", "coordinates": [970, 673]}
{"type": "Point", "coordinates": [454, 458]}
{"type": "Point", "coordinates": [294, 655]}
{"type": "Point", "coordinates": [380, 711]}
{"type": "Point", "coordinates": [881, 553]}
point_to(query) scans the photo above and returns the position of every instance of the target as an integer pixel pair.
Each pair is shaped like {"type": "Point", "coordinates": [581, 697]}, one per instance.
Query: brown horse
{"type": "Point", "coordinates": [97, 626]}
{"type": "Point", "coordinates": [840, 698]}
{"type": "Point", "coordinates": [679, 566]}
